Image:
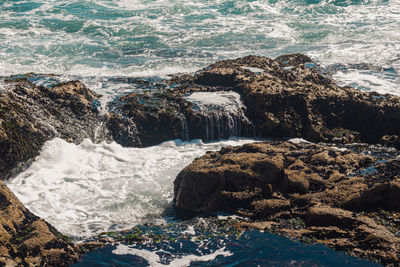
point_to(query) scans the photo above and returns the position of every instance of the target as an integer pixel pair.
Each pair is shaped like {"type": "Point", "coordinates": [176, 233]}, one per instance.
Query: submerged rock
{"type": "Point", "coordinates": [336, 197]}
{"type": "Point", "coordinates": [31, 115]}
{"type": "Point", "coordinates": [27, 240]}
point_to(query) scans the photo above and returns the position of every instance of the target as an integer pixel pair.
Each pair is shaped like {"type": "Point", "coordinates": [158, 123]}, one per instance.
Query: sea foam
{"type": "Point", "coordinates": [90, 188]}
{"type": "Point", "coordinates": [157, 38]}
{"type": "Point", "coordinates": [153, 257]}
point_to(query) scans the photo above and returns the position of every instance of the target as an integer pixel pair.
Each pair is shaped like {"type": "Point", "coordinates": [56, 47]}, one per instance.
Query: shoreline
{"type": "Point", "coordinates": [285, 97]}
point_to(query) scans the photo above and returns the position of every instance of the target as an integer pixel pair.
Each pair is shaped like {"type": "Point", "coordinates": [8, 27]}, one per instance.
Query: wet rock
{"type": "Point", "coordinates": [289, 96]}
{"type": "Point", "coordinates": [26, 240]}
{"type": "Point", "coordinates": [31, 115]}
{"type": "Point", "coordinates": [310, 192]}
{"type": "Point", "coordinates": [292, 97]}
{"type": "Point", "coordinates": [390, 140]}
{"type": "Point", "coordinates": [157, 117]}
{"type": "Point", "coordinates": [123, 130]}
{"type": "Point", "coordinates": [165, 115]}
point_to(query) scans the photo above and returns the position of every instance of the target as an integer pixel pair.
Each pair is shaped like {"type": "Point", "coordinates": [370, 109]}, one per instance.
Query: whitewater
{"type": "Point", "coordinates": [85, 189]}
{"type": "Point", "coordinates": [91, 188]}
{"type": "Point", "coordinates": [96, 40]}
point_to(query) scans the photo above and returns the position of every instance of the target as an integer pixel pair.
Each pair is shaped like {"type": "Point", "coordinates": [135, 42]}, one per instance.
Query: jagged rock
{"type": "Point", "coordinates": [157, 117]}
{"type": "Point", "coordinates": [26, 240]}
{"type": "Point", "coordinates": [292, 97]}
{"type": "Point", "coordinates": [165, 115]}
{"type": "Point", "coordinates": [390, 140]}
{"type": "Point", "coordinates": [333, 196]}
{"type": "Point", "coordinates": [286, 97]}
{"type": "Point", "coordinates": [31, 115]}
{"type": "Point", "coordinates": [123, 130]}
{"type": "Point", "coordinates": [380, 196]}
{"type": "Point", "coordinates": [256, 171]}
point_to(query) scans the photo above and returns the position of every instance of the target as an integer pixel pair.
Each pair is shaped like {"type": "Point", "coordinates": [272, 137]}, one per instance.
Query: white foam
{"type": "Point", "coordinates": [3, 86]}
{"type": "Point", "coordinates": [189, 231]}
{"type": "Point", "coordinates": [369, 81]}
{"type": "Point", "coordinates": [90, 188]}
{"type": "Point", "coordinates": [153, 258]}
{"type": "Point", "coordinates": [163, 71]}
{"type": "Point", "coordinates": [226, 217]}
{"type": "Point", "coordinates": [253, 69]}
{"type": "Point", "coordinates": [183, 36]}
{"type": "Point", "coordinates": [298, 141]}
{"type": "Point", "coordinates": [228, 99]}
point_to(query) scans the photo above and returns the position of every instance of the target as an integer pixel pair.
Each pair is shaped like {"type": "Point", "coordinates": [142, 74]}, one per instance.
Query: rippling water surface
{"type": "Point", "coordinates": [141, 38]}
{"type": "Point", "coordinates": [109, 43]}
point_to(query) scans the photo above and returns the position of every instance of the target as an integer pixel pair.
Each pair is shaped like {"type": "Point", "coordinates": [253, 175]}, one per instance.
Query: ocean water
{"type": "Point", "coordinates": [88, 188]}
{"type": "Point", "coordinates": [199, 244]}
{"type": "Point", "coordinates": [93, 40]}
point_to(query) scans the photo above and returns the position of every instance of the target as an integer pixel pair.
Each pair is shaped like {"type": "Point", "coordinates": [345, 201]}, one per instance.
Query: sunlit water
{"type": "Point", "coordinates": [93, 40]}
{"type": "Point", "coordinates": [200, 245]}
{"type": "Point", "coordinates": [88, 188]}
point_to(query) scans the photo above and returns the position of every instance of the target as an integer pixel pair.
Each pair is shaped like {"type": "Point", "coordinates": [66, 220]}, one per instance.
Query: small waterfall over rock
{"type": "Point", "coordinates": [150, 118]}
{"type": "Point", "coordinates": [216, 115]}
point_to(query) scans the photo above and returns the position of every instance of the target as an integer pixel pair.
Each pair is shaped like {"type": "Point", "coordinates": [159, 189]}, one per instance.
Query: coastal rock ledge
{"type": "Point", "coordinates": [315, 193]}
{"type": "Point", "coordinates": [30, 115]}
{"type": "Point", "coordinates": [289, 96]}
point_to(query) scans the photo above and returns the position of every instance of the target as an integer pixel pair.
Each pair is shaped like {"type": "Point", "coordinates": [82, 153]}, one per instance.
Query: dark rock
{"type": "Point", "coordinates": [165, 115]}
{"type": "Point", "coordinates": [390, 140]}
{"type": "Point", "coordinates": [158, 117]}
{"type": "Point", "coordinates": [123, 130]}
{"type": "Point", "coordinates": [291, 97]}
{"type": "Point", "coordinates": [287, 97]}
{"type": "Point", "coordinates": [301, 190]}
{"type": "Point", "coordinates": [31, 115]}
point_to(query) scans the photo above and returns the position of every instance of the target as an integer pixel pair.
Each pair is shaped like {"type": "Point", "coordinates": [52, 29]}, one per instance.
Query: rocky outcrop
{"type": "Point", "coordinates": [311, 192]}
{"type": "Point", "coordinates": [31, 115]}
{"type": "Point", "coordinates": [301, 190]}
{"type": "Point", "coordinates": [292, 97]}
{"type": "Point", "coordinates": [165, 115]}
{"type": "Point", "coordinates": [26, 240]}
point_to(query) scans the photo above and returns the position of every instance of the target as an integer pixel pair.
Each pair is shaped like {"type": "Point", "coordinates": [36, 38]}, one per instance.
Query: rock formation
{"type": "Point", "coordinates": [26, 240]}
{"type": "Point", "coordinates": [292, 97]}
{"type": "Point", "coordinates": [301, 190]}
{"type": "Point", "coordinates": [337, 197]}
{"type": "Point", "coordinates": [31, 115]}
{"type": "Point", "coordinates": [165, 115]}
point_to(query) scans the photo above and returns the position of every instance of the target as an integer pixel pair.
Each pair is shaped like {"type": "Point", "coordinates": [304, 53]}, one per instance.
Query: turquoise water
{"type": "Point", "coordinates": [106, 38]}
{"type": "Point", "coordinates": [109, 43]}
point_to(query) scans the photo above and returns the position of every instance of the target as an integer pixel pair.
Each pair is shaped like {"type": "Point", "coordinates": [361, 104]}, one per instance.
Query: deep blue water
{"type": "Point", "coordinates": [227, 247]}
